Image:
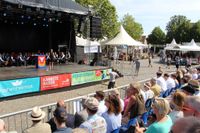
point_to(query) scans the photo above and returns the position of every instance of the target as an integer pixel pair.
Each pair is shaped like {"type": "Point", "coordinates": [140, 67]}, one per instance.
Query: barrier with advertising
{"type": "Point", "coordinates": [19, 86]}
{"type": "Point", "coordinates": [55, 81]}
{"type": "Point", "coordinates": [89, 76]}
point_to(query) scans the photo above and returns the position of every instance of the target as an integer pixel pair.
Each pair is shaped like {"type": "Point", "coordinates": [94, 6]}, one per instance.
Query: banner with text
{"type": "Point", "coordinates": [55, 81]}
{"type": "Point", "coordinates": [19, 86]}
{"type": "Point", "coordinates": [89, 76]}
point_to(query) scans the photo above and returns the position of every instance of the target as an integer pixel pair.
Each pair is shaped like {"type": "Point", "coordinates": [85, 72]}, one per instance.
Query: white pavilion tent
{"type": "Point", "coordinates": [123, 38]}
{"type": "Point", "coordinates": [173, 45]}
{"type": "Point", "coordinates": [192, 46]}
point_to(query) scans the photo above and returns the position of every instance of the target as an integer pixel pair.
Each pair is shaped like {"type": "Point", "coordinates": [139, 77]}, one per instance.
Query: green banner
{"type": "Point", "coordinates": [89, 76]}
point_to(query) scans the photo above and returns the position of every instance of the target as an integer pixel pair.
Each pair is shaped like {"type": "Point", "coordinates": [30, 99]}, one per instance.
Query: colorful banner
{"type": "Point", "coordinates": [89, 76]}
{"type": "Point", "coordinates": [105, 74]}
{"type": "Point", "coordinates": [55, 81]}
{"type": "Point", "coordinates": [19, 86]}
{"type": "Point", "coordinates": [41, 61]}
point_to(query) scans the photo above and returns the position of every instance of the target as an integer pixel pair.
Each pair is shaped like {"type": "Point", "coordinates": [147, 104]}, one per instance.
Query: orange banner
{"type": "Point", "coordinates": [55, 81]}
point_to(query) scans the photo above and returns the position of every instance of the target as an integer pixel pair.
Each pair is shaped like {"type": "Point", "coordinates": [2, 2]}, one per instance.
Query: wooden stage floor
{"type": "Point", "coordinates": [7, 73]}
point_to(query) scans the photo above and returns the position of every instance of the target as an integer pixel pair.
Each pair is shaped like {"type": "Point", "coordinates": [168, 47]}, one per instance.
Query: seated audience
{"type": "Point", "coordinates": [186, 125]}
{"type": "Point", "coordinates": [79, 130]}
{"type": "Point", "coordinates": [3, 127]}
{"type": "Point", "coordinates": [177, 102]}
{"type": "Point", "coordinates": [127, 98]}
{"type": "Point", "coordinates": [116, 92]}
{"type": "Point", "coordinates": [169, 81]}
{"type": "Point", "coordinates": [155, 87]}
{"type": "Point", "coordinates": [147, 93]}
{"type": "Point", "coordinates": [163, 121]}
{"type": "Point", "coordinates": [188, 90]}
{"type": "Point", "coordinates": [195, 85]}
{"type": "Point", "coordinates": [37, 115]}
{"type": "Point", "coordinates": [69, 121]}
{"type": "Point", "coordinates": [136, 105]}
{"type": "Point", "coordinates": [95, 123]}
{"type": "Point", "coordinates": [113, 116]}
{"type": "Point", "coordinates": [60, 117]}
{"type": "Point", "coordinates": [173, 76]}
{"type": "Point", "coordinates": [81, 116]}
{"type": "Point", "coordinates": [192, 106]}
{"type": "Point", "coordinates": [100, 97]}
{"type": "Point", "coordinates": [161, 81]}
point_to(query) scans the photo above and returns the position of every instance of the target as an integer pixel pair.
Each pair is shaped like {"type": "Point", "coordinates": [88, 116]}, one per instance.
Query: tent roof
{"type": "Point", "coordinates": [68, 6]}
{"type": "Point", "coordinates": [84, 42]}
{"type": "Point", "coordinates": [192, 46]}
{"type": "Point", "coordinates": [123, 38]}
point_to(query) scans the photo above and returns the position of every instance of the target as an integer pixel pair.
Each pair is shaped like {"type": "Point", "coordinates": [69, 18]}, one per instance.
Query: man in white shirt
{"type": "Point", "coordinates": [169, 81]}
{"type": "Point", "coordinates": [113, 76]}
{"type": "Point", "coordinates": [161, 81]}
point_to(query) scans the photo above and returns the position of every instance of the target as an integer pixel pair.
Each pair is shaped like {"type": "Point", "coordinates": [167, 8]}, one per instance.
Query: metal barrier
{"type": "Point", "coordinates": [18, 121]}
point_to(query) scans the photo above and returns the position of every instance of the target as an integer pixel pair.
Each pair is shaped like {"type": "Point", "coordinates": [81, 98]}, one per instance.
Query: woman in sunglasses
{"type": "Point", "coordinates": [163, 122]}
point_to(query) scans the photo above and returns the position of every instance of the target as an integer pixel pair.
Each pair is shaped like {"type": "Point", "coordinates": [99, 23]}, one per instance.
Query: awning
{"type": "Point", "coordinates": [67, 6]}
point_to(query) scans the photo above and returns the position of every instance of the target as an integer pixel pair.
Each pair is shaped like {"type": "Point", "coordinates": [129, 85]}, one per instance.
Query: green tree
{"type": "Point", "coordinates": [157, 36]}
{"type": "Point", "coordinates": [179, 28]}
{"type": "Point", "coordinates": [133, 28]}
{"type": "Point", "coordinates": [108, 14]}
{"type": "Point", "coordinates": [195, 31]}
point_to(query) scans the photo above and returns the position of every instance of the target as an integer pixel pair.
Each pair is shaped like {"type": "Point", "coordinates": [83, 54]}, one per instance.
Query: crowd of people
{"type": "Point", "coordinates": [167, 103]}
{"type": "Point", "coordinates": [29, 58]}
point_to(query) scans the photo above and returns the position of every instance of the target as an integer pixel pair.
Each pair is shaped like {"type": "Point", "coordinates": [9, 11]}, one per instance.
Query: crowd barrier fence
{"type": "Point", "coordinates": [18, 121]}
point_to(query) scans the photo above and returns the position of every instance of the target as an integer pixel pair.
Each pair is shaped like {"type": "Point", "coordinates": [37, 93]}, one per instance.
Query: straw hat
{"type": "Point", "coordinates": [37, 114]}
{"type": "Point", "coordinates": [92, 103]}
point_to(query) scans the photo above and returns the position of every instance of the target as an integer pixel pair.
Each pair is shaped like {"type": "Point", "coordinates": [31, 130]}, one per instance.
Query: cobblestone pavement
{"type": "Point", "coordinates": [13, 105]}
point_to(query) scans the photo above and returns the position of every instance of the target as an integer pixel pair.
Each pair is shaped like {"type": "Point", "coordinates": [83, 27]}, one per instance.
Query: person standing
{"type": "Point", "coordinates": [60, 117]}
{"type": "Point", "coordinates": [137, 67]}
{"type": "Point", "coordinates": [113, 76]}
{"type": "Point", "coordinates": [94, 123]}
{"type": "Point", "coordinates": [51, 60]}
{"type": "Point", "coordinates": [37, 115]}
{"type": "Point", "coordinates": [150, 60]}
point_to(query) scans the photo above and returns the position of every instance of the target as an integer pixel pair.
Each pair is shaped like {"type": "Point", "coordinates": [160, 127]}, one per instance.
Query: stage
{"type": "Point", "coordinates": [8, 73]}
{"type": "Point", "coordinates": [22, 80]}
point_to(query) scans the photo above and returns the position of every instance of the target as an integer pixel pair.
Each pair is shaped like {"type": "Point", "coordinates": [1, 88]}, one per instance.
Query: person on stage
{"type": "Point", "coordinates": [51, 60]}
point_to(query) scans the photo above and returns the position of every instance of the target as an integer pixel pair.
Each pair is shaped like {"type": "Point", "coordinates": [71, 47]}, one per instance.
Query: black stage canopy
{"type": "Point", "coordinates": [67, 6]}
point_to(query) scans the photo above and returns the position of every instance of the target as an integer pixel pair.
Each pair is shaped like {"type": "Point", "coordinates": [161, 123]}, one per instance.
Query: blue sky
{"type": "Point", "coordinates": [152, 13]}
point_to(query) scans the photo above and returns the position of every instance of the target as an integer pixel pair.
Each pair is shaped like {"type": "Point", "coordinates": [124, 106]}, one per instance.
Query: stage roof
{"type": "Point", "coordinates": [67, 6]}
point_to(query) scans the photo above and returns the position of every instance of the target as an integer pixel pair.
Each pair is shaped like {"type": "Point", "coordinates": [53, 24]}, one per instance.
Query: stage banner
{"type": "Point", "coordinates": [55, 81]}
{"type": "Point", "coordinates": [19, 86]}
{"type": "Point", "coordinates": [86, 77]}
{"type": "Point", "coordinates": [105, 74]}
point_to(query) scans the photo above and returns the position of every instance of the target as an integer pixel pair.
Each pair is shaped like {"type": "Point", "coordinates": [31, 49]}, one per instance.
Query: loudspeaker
{"type": "Point", "coordinates": [95, 27]}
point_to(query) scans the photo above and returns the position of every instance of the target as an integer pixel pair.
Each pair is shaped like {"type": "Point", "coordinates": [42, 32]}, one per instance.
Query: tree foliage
{"type": "Point", "coordinates": [195, 31]}
{"type": "Point", "coordinates": [179, 28]}
{"type": "Point", "coordinates": [157, 36]}
{"type": "Point", "coordinates": [133, 28]}
{"type": "Point", "coordinates": [108, 14]}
